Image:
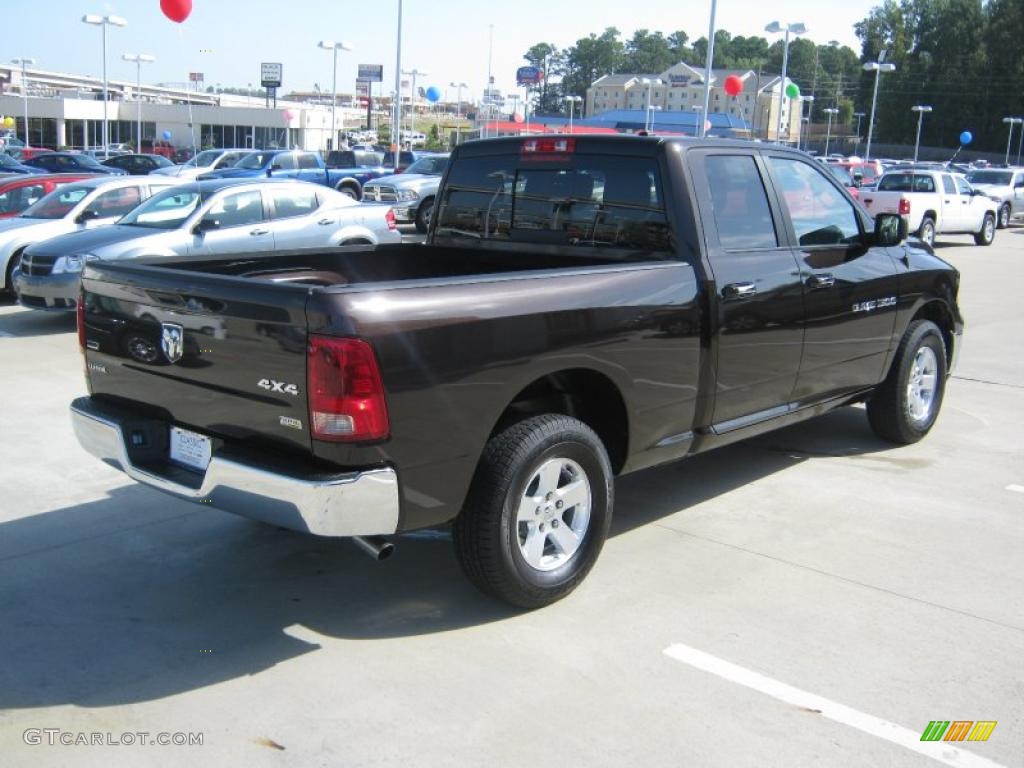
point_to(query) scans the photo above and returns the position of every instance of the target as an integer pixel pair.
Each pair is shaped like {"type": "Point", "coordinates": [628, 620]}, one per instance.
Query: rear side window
{"type": "Point", "coordinates": [742, 216]}
{"type": "Point", "coordinates": [116, 202]}
{"type": "Point", "coordinates": [18, 199]}
{"type": "Point", "coordinates": [293, 202]}
{"type": "Point", "coordinates": [585, 200]}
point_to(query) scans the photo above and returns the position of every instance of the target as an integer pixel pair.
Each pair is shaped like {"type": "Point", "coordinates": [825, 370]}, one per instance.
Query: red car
{"type": "Point", "coordinates": [19, 192]}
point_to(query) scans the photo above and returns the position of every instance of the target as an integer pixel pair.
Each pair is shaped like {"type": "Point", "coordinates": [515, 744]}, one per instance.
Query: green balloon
{"type": "Point", "coordinates": [793, 91]}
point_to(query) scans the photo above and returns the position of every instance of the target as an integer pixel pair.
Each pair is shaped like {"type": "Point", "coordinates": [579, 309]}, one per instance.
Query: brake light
{"type": "Point", "coordinates": [550, 146]}
{"type": "Point", "coordinates": [904, 207]}
{"type": "Point", "coordinates": [389, 217]}
{"type": "Point", "coordinates": [80, 321]}
{"type": "Point", "coordinates": [346, 394]}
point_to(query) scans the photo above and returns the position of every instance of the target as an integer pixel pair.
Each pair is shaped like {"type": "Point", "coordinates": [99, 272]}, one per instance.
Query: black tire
{"type": "Point", "coordinates": [987, 233]}
{"type": "Point", "coordinates": [889, 409]}
{"type": "Point", "coordinates": [487, 533]}
{"type": "Point", "coordinates": [8, 277]}
{"type": "Point", "coordinates": [423, 215]}
{"type": "Point", "coordinates": [926, 232]}
{"type": "Point", "coordinates": [348, 191]}
{"type": "Point", "coordinates": [1004, 216]}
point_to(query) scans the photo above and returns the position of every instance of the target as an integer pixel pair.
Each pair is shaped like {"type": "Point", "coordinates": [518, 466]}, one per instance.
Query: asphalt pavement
{"type": "Point", "coordinates": [813, 597]}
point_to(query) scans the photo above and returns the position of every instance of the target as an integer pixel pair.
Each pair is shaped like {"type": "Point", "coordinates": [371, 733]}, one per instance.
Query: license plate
{"type": "Point", "coordinates": [190, 448]}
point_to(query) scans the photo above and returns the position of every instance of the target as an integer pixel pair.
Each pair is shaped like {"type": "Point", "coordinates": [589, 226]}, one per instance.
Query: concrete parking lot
{"type": "Point", "coordinates": [814, 597]}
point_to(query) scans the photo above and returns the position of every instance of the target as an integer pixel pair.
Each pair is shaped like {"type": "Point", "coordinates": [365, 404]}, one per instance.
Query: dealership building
{"type": "Point", "coordinates": [66, 111]}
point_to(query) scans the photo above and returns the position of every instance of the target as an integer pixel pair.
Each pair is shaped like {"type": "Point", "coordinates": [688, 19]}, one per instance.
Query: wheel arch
{"type": "Point", "coordinates": [350, 182]}
{"type": "Point", "coordinates": [937, 311]}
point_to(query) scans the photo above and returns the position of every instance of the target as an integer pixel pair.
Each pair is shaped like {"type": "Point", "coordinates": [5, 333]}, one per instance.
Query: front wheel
{"type": "Point", "coordinates": [905, 406]}
{"type": "Point", "coordinates": [538, 511]}
{"type": "Point", "coordinates": [987, 233]}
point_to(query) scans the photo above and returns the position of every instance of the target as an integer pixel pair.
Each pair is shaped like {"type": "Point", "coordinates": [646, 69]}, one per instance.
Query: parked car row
{"type": "Point", "coordinates": [60, 222]}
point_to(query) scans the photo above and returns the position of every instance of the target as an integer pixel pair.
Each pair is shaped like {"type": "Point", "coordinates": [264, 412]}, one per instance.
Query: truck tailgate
{"type": "Point", "coordinates": [221, 357]}
{"type": "Point", "coordinates": [881, 202]}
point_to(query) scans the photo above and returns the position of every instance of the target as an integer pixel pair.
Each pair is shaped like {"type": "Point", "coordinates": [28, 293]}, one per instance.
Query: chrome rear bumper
{"type": "Point", "coordinates": [348, 504]}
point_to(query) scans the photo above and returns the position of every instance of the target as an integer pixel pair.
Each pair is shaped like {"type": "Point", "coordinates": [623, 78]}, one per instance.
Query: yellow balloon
{"type": "Point", "coordinates": [8, 122]}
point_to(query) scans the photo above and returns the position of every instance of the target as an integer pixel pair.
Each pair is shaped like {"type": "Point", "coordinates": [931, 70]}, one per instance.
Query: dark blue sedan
{"type": "Point", "coordinates": [9, 165]}
{"type": "Point", "coordinates": [69, 162]}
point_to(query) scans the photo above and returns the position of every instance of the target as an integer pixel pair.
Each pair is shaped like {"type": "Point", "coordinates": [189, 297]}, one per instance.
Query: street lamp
{"type": "Point", "coordinates": [412, 96]}
{"type": "Point", "coordinates": [775, 28]}
{"type": "Point", "coordinates": [920, 109]}
{"type": "Point", "coordinates": [649, 82]}
{"type": "Point", "coordinates": [458, 107]}
{"type": "Point", "coordinates": [1011, 121]}
{"type": "Point", "coordinates": [24, 89]}
{"type": "Point", "coordinates": [103, 22]}
{"type": "Point", "coordinates": [807, 119]}
{"type": "Point", "coordinates": [878, 67]}
{"type": "Point", "coordinates": [139, 59]}
{"type": "Point", "coordinates": [330, 45]}
{"type": "Point", "coordinates": [573, 101]}
{"type": "Point", "coordinates": [396, 97]}
{"type": "Point", "coordinates": [831, 112]}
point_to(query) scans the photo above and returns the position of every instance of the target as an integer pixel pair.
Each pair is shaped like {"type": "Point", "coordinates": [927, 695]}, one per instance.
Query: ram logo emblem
{"type": "Point", "coordinates": [172, 341]}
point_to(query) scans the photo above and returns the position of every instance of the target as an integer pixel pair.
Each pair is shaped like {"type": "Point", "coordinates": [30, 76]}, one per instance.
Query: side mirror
{"type": "Point", "coordinates": [274, 167]}
{"type": "Point", "coordinates": [1019, 184]}
{"type": "Point", "coordinates": [205, 225]}
{"type": "Point", "coordinates": [87, 215]}
{"type": "Point", "coordinates": [890, 229]}
{"type": "Point", "coordinates": [858, 180]}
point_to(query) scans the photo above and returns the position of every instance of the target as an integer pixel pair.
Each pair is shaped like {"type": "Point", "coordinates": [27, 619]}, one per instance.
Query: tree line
{"type": "Point", "coordinates": [964, 58]}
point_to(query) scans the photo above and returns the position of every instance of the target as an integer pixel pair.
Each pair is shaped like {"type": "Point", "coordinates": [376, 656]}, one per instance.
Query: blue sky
{"type": "Point", "coordinates": [227, 40]}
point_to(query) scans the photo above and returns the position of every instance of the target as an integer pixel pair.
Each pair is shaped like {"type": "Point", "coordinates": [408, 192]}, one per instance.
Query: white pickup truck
{"type": "Point", "coordinates": [935, 202]}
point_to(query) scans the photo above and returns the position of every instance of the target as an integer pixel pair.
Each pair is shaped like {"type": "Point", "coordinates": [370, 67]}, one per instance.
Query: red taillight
{"type": "Point", "coordinates": [389, 217]}
{"type": "Point", "coordinates": [80, 320]}
{"type": "Point", "coordinates": [550, 146]}
{"type": "Point", "coordinates": [346, 394]}
{"type": "Point", "coordinates": [904, 207]}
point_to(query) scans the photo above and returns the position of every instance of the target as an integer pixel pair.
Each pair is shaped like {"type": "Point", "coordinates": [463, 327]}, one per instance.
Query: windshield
{"type": "Point", "coordinates": [1002, 178]}
{"type": "Point", "coordinates": [165, 210]}
{"type": "Point", "coordinates": [209, 157]}
{"type": "Point", "coordinates": [253, 160]}
{"type": "Point", "coordinates": [58, 203]}
{"type": "Point", "coordinates": [431, 166]}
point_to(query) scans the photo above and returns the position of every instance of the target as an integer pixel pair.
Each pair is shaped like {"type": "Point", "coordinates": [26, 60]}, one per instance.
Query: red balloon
{"type": "Point", "coordinates": [733, 85]}
{"type": "Point", "coordinates": [176, 10]}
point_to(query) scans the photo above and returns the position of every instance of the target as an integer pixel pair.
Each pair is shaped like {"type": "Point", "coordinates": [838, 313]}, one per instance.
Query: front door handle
{"type": "Point", "coordinates": [260, 231]}
{"type": "Point", "coordinates": [739, 291]}
{"type": "Point", "coordinates": [822, 280]}
{"type": "Point", "coordinates": [325, 222]}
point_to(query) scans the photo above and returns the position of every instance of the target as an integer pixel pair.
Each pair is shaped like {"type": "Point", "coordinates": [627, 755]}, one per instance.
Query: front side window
{"type": "Point", "coordinates": [307, 160]}
{"type": "Point", "coordinates": [963, 186]}
{"type": "Point", "coordinates": [819, 212]}
{"type": "Point", "coordinates": [284, 162]}
{"type": "Point", "coordinates": [947, 184]}
{"type": "Point", "coordinates": [253, 161]}
{"type": "Point", "coordinates": [742, 215]}
{"type": "Point", "coordinates": [236, 210]}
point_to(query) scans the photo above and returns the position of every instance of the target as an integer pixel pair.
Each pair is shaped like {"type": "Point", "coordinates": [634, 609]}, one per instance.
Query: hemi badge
{"type": "Point", "coordinates": [288, 421]}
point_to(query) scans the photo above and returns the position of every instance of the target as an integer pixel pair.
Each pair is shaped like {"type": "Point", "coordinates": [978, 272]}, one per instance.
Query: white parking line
{"type": "Point", "coordinates": [943, 752]}
{"type": "Point", "coordinates": [1015, 488]}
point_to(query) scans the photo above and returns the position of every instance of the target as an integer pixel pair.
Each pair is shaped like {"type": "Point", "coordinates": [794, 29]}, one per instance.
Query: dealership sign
{"type": "Point", "coordinates": [270, 75]}
{"type": "Point", "coordinates": [529, 75]}
{"type": "Point", "coordinates": [373, 73]}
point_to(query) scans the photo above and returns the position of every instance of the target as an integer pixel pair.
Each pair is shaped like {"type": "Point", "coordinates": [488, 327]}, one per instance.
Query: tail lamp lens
{"type": "Point", "coordinates": [346, 394]}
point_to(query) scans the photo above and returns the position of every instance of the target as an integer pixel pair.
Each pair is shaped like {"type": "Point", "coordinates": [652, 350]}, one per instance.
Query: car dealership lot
{"type": "Point", "coordinates": [885, 584]}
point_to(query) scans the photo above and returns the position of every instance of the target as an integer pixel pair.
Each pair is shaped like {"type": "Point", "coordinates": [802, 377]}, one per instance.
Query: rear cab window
{"type": "Point", "coordinates": [557, 198]}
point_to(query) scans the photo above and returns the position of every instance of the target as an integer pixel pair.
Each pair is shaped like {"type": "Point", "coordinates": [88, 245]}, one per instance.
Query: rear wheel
{"type": "Point", "coordinates": [9, 275]}
{"type": "Point", "coordinates": [1004, 216]}
{"type": "Point", "coordinates": [538, 511]}
{"type": "Point", "coordinates": [987, 233]}
{"type": "Point", "coordinates": [423, 214]}
{"type": "Point", "coordinates": [926, 232]}
{"type": "Point", "coordinates": [905, 406]}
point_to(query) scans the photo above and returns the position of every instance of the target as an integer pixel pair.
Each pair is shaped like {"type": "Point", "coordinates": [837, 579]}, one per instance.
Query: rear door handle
{"type": "Point", "coordinates": [823, 280]}
{"type": "Point", "coordinates": [739, 291]}
{"type": "Point", "coordinates": [325, 222]}
{"type": "Point", "coordinates": [261, 231]}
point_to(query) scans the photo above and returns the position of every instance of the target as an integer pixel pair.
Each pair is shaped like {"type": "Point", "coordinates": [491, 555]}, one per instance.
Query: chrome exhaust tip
{"type": "Point", "coordinates": [376, 547]}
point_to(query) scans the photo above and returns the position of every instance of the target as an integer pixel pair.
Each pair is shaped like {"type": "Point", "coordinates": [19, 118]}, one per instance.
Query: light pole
{"type": "Point", "coordinates": [806, 119]}
{"type": "Point", "coordinates": [103, 22]}
{"type": "Point", "coordinates": [24, 90]}
{"type": "Point", "coordinates": [1020, 143]}
{"type": "Point", "coordinates": [649, 82]}
{"type": "Point", "coordinates": [458, 107]}
{"type": "Point", "coordinates": [396, 98]}
{"type": "Point", "coordinates": [573, 101]}
{"type": "Point", "coordinates": [330, 45]}
{"type": "Point", "coordinates": [698, 128]}
{"type": "Point", "coordinates": [708, 63]}
{"type": "Point", "coordinates": [920, 109]}
{"type": "Point", "coordinates": [775, 28]}
{"type": "Point", "coordinates": [412, 97]}
{"type": "Point", "coordinates": [831, 112]}
{"type": "Point", "coordinates": [858, 115]}
{"type": "Point", "coordinates": [1011, 121]}
{"type": "Point", "coordinates": [139, 59]}
{"type": "Point", "coordinates": [878, 67]}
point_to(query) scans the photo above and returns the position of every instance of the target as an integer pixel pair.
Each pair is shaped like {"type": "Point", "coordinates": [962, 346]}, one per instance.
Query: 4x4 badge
{"type": "Point", "coordinates": [172, 341]}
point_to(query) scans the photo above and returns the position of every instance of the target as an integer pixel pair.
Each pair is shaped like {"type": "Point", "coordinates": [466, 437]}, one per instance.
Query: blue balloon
{"type": "Point", "coordinates": [966, 137]}
{"type": "Point", "coordinates": [166, 135]}
{"type": "Point", "coordinates": [433, 93]}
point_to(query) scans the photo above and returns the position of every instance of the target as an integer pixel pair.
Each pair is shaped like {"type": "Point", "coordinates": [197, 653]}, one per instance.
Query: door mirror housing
{"type": "Point", "coordinates": [205, 225]}
{"type": "Point", "coordinates": [274, 167]}
{"type": "Point", "coordinates": [890, 229]}
{"type": "Point", "coordinates": [89, 214]}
